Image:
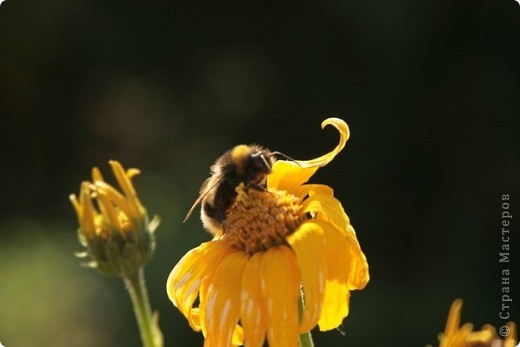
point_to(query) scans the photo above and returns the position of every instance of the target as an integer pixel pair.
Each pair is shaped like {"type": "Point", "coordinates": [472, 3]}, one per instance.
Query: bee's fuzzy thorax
{"type": "Point", "coordinates": [239, 155]}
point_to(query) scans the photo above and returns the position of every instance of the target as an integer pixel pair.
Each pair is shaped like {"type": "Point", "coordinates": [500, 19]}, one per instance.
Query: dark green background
{"type": "Point", "coordinates": [430, 90]}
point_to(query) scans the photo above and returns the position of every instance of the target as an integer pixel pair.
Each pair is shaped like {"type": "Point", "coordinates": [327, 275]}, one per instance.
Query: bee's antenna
{"type": "Point", "coordinates": [261, 156]}
{"type": "Point", "coordinates": [284, 156]}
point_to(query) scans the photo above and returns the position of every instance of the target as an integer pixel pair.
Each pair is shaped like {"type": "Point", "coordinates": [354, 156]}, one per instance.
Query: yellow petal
{"type": "Point", "coordinates": [103, 188]}
{"type": "Point", "coordinates": [313, 189]}
{"type": "Point", "coordinates": [109, 210]}
{"type": "Point", "coordinates": [335, 302]}
{"type": "Point", "coordinates": [289, 176]}
{"type": "Point", "coordinates": [453, 323]}
{"type": "Point", "coordinates": [75, 203]}
{"type": "Point", "coordinates": [198, 315]}
{"type": "Point", "coordinates": [130, 173]}
{"type": "Point", "coordinates": [238, 336]}
{"type": "Point", "coordinates": [347, 269]}
{"type": "Point", "coordinates": [195, 319]}
{"type": "Point", "coordinates": [186, 277]}
{"type": "Point", "coordinates": [309, 245]}
{"type": "Point", "coordinates": [96, 175]}
{"type": "Point", "coordinates": [203, 299]}
{"type": "Point", "coordinates": [486, 335]}
{"type": "Point", "coordinates": [460, 337]}
{"type": "Point", "coordinates": [223, 301]}
{"type": "Point", "coordinates": [251, 310]}
{"type": "Point", "coordinates": [335, 305]}
{"type": "Point", "coordinates": [510, 340]}
{"type": "Point", "coordinates": [128, 188]}
{"type": "Point", "coordinates": [88, 212]}
{"type": "Point", "coordinates": [344, 134]}
{"type": "Point", "coordinates": [280, 283]}
{"type": "Point", "coordinates": [327, 208]}
{"type": "Point", "coordinates": [358, 276]}
{"type": "Point", "coordinates": [123, 179]}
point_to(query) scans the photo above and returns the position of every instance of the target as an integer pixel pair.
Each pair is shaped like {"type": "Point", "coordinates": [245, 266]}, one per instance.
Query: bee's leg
{"type": "Point", "coordinates": [256, 187]}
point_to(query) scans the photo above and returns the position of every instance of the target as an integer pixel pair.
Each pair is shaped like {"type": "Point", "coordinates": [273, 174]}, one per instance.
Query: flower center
{"type": "Point", "coordinates": [259, 220]}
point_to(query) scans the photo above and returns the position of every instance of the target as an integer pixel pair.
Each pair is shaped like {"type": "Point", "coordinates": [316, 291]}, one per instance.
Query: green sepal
{"type": "Point", "coordinates": [81, 238]}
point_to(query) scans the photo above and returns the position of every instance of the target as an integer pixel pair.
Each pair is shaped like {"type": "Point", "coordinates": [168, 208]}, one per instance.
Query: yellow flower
{"type": "Point", "coordinates": [113, 225]}
{"type": "Point", "coordinates": [292, 237]}
{"type": "Point", "coordinates": [464, 336]}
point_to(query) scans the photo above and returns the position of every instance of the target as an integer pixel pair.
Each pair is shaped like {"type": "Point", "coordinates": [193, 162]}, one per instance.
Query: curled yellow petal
{"type": "Point", "coordinates": [344, 134]}
{"type": "Point", "coordinates": [289, 176]}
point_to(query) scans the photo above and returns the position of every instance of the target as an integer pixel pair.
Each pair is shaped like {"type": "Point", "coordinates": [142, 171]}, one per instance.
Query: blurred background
{"type": "Point", "coordinates": [430, 90]}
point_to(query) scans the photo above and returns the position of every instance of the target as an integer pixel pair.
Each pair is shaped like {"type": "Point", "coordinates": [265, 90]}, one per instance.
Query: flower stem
{"type": "Point", "coordinates": [305, 338]}
{"type": "Point", "coordinates": [150, 334]}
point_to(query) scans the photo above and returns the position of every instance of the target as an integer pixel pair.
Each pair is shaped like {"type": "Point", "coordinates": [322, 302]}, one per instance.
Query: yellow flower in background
{"type": "Point", "coordinates": [113, 225]}
{"type": "Point", "coordinates": [464, 336]}
{"type": "Point", "coordinates": [293, 238]}
{"type": "Point", "coordinates": [119, 239]}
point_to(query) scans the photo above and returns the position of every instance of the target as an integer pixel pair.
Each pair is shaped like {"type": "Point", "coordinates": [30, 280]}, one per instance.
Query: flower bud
{"type": "Point", "coordinates": [113, 225]}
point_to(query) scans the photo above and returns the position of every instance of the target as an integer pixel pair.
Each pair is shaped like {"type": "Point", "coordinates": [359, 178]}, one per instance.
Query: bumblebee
{"type": "Point", "coordinates": [248, 164]}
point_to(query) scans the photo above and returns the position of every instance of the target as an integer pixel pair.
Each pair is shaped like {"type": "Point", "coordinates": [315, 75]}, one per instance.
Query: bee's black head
{"type": "Point", "coordinates": [251, 161]}
{"type": "Point", "coordinates": [261, 161]}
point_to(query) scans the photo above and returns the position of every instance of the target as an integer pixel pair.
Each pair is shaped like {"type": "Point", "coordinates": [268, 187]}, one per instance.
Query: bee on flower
{"type": "Point", "coordinates": [284, 256]}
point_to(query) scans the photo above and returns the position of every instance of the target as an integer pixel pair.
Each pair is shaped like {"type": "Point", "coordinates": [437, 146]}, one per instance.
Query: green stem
{"type": "Point", "coordinates": [150, 334]}
{"type": "Point", "coordinates": [305, 338]}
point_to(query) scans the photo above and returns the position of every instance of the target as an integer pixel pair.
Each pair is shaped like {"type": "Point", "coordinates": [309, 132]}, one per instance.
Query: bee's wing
{"type": "Point", "coordinates": [206, 187]}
